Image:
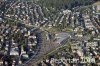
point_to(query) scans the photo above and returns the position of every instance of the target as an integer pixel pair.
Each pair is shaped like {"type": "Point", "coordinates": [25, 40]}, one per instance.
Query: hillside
{"type": "Point", "coordinates": [65, 4]}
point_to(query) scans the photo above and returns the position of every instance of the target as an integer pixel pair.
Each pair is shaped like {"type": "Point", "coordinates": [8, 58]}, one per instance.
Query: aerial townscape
{"type": "Point", "coordinates": [49, 33]}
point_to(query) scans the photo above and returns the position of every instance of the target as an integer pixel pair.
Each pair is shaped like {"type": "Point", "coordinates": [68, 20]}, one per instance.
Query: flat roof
{"type": "Point", "coordinates": [97, 3]}
{"type": "Point", "coordinates": [62, 36]}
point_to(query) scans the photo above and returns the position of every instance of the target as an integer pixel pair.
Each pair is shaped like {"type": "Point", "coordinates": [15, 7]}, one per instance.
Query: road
{"type": "Point", "coordinates": [47, 48]}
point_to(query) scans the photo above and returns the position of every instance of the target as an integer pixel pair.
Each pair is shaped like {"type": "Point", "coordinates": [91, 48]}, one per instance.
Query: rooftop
{"type": "Point", "coordinates": [62, 37]}
{"type": "Point", "coordinates": [97, 3]}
